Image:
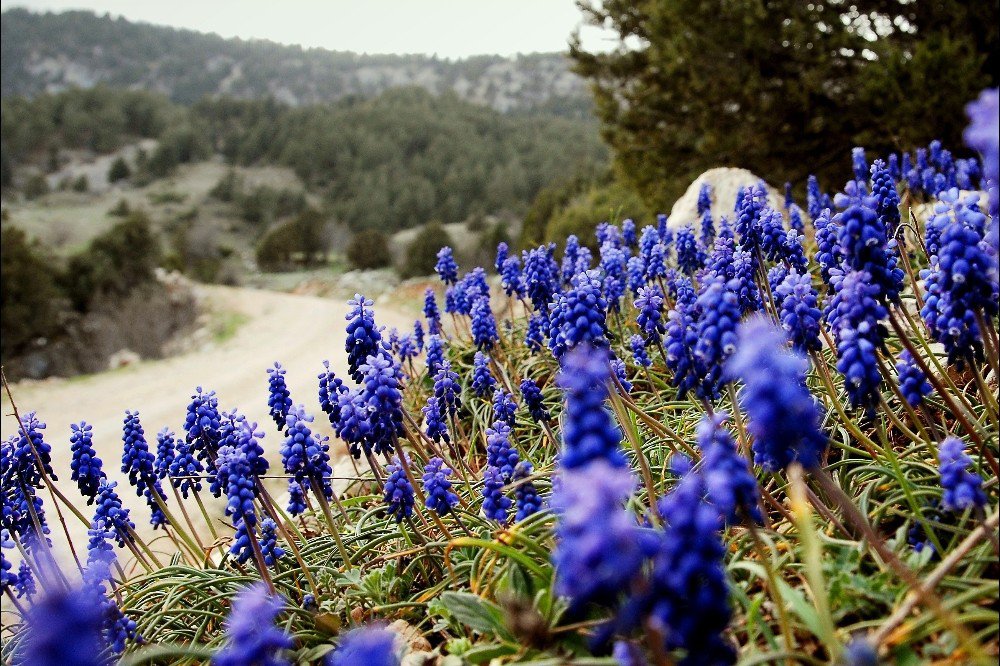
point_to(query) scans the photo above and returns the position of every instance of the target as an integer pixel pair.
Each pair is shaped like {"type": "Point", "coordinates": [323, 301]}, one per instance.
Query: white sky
{"type": "Point", "coordinates": [448, 28]}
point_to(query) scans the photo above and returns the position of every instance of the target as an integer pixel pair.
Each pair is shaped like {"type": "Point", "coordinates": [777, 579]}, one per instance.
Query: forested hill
{"type": "Point", "coordinates": [50, 52]}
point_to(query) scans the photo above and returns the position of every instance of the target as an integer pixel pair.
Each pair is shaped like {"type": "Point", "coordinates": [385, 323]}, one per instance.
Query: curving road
{"type": "Point", "coordinates": [299, 331]}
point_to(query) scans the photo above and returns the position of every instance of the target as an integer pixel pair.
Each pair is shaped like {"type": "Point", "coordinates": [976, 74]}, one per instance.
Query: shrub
{"type": "Point", "coordinates": [28, 292]}
{"type": "Point", "coordinates": [114, 263]}
{"type": "Point", "coordinates": [119, 170]}
{"type": "Point", "coordinates": [81, 184]}
{"type": "Point", "coordinates": [421, 254]}
{"type": "Point", "coordinates": [182, 145]}
{"type": "Point", "coordinates": [296, 242]}
{"type": "Point", "coordinates": [121, 209]}
{"type": "Point", "coordinates": [369, 249]}
{"type": "Point", "coordinates": [476, 223]}
{"type": "Point", "coordinates": [36, 186]}
{"type": "Point", "coordinates": [228, 187]}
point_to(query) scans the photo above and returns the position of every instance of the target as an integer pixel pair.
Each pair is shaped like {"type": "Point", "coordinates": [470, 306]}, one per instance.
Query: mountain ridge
{"type": "Point", "coordinates": [49, 52]}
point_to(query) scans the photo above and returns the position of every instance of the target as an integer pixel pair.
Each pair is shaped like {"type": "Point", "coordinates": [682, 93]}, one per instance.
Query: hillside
{"type": "Point", "coordinates": [51, 52]}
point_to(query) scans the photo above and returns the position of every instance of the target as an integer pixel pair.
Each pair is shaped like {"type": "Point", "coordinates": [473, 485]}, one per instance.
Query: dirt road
{"type": "Point", "coordinates": [298, 331]}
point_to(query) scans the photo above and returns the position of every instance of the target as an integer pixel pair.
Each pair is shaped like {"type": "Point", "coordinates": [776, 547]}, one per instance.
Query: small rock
{"type": "Point", "coordinates": [123, 358]}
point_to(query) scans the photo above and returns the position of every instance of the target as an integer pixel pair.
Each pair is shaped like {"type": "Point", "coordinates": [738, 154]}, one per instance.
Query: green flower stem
{"type": "Point", "coordinates": [764, 556]}
{"type": "Point", "coordinates": [332, 524]}
{"type": "Point", "coordinates": [204, 513]}
{"type": "Point", "coordinates": [271, 509]}
{"type": "Point", "coordinates": [633, 438]}
{"type": "Point", "coordinates": [812, 553]}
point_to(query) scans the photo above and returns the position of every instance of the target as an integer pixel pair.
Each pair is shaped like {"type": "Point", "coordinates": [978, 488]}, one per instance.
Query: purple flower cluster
{"type": "Point", "coordinates": [799, 313]}
{"type": "Point", "coordinates": [382, 396]}
{"type": "Point", "coordinates": [110, 512]}
{"type": "Point", "coordinates": [527, 500]}
{"type": "Point", "coordinates": [306, 456]}
{"type": "Point", "coordinates": [531, 395]}
{"type": "Point", "coordinates": [687, 593]}
{"type": "Point", "coordinates": [436, 425]}
{"type": "Point", "coordinates": [484, 325]}
{"type": "Point", "coordinates": [855, 317]}
{"type": "Point", "coordinates": [364, 338]}
{"type": "Point", "coordinates": [730, 485]}
{"type": "Point", "coordinates": [679, 346]}
{"type": "Point", "coordinates": [201, 426]}
{"type": "Point", "coordinates": [499, 451]}
{"type": "Point", "coordinates": [784, 417]}
{"type": "Point", "coordinates": [371, 646]}
{"type": "Point", "coordinates": [166, 450]}
{"type": "Point", "coordinates": [650, 318]}
{"type": "Point", "coordinates": [279, 398]}
{"type": "Point", "coordinates": [589, 432]}
{"type": "Point", "coordinates": [84, 463]}
{"type": "Point", "coordinates": [482, 379]}
{"type": "Point", "coordinates": [251, 636]}
{"type": "Point", "coordinates": [437, 487]}
{"type": "Point", "coordinates": [504, 407]}
{"type": "Point", "coordinates": [639, 353]}
{"type": "Point", "coordinates": [690, 256]}
{"type": "Point", "coordinates": [330, 389]}
{"type": "Point", "coordinates": [495, 503]}
{"type": "Point", "coordinates": [431, 313]}
{"type": "Point", "coordinates": [435, 354]}
{"type": "Point", "coordinates": [865, 244]}
{"type": "Point", "coordinates": [139, 463]}
{"type": "Point", "coordinates": [580, 316]}
{"type": "Point", "coordinates": [828, 252]}
{"type": "Point", "coordinates": [29, 447]}
{"type": "Point", "coordinates": [716, 333]}
{"type": "Point", "coordinates": [597, 551]}
{"type": "Point", "coordinates": [446, 268]}
{"type": "Point", "coordinates": [398, 492]}
{"type": "Point", "coordinates": [913, 382]}
{"type": "Point", "coordinates": [962, 488]}
{"type": "Point", "coordinates": [961, 285]}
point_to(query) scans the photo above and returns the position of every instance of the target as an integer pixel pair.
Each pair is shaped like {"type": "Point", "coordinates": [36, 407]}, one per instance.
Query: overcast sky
{"type": "Point", "coordinates": [449, 28]}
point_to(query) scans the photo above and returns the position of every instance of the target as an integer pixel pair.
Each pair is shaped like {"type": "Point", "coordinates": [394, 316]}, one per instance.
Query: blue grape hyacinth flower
{"type": "Point", "coordinates": [279, 398]}
{"type": "Point", "coordinates": [201, 425]}
{"type": "Point", "coordinates": [963, 489]}
{"type": "Point", "coordinates": [370, 646]}
{"type": "Point", "coordinates": [64, 630]}
{"type": "Point", "coordinates": [85, 465]}
{"type": "Point", "coordinates": [364, 338]}
{"type": "Point", "coordinates": [446, 268]}
{"type": "Point", "coordinates": [495, 503]}
{"type": "Point", "coordinates": [730, 485]}
{"type": "Point", "coordinates": [500, 453]}
{"type": "Point", "coordinates": [482, 379]}
{"type": "Point", "coordinates": [397, 492]}
{"type": "Point", "coordinates": [527, 501]}
{"type": "Point", "coordinates": [913, 382]}
{"type": "Point", "coordinates": [251, 634]}
{"type": "Point", "coordinates": [784, 417]}
{"type": "Point", "coordinates": [437, 487]}
{"type": "Point", "coordinates": [855, 317]}
{"type": "Point", "coordinates": [597, 552]}
{"type": "Point", "coordinates": [531, 395]}
{"type": "Point", "coordinates": [589, 433]}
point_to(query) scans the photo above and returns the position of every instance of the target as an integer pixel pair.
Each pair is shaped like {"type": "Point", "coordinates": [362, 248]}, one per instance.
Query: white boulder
{"type": "Point", "coordinates": [725, 183]}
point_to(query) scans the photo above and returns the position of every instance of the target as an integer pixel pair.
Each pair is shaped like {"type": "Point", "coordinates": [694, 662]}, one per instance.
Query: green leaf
{"type": "Point", "coordinates": [488, 651]}
{"type": "Point", "coordinates": [476, 613]}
